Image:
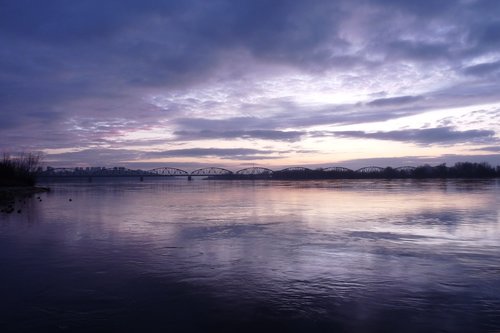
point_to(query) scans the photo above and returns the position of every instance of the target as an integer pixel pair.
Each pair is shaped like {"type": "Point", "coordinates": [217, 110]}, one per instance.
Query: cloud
{"type": "Point", "coordinates": [66, 67]}
{"type": "Point", "coordinates": [221, 125]}
{"type": "Point", "coordinates": [290, 114]}
{"type": "Point", "coordinates": [240, 134]}
{"type": "Point", "coordinates": [450, 159]}
{"type": "Point", "coordinates": [286, 115]}
{"type": "Point", "coordinates": [425, 8]}
{"type": "Point", "coordinates": [486, 68]}
{"type": "Point", "coordinates": [426, 136]}
{"type": "Point", "coordinates": [94, 156]}
{"type": "Point", "coordinates": [419, 51]}
{"type": "Point", "coordinates": [208, 152]}
{"type": "Point", "coordinates": [489, 149]}
{"type": "Point", "coordinates": [114, 157]}
{"type": "Point", "coordinates": [487, 34]}
{"type": "Point", "coordinates": [394, 101]}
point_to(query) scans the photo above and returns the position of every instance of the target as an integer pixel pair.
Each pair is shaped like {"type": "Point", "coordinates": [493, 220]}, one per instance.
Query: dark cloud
{"type": "Point", "coordinates": [420, 51]}
{"type": "Point", "coordinates": [56, 55]}
{"type": "Point", "coordinates": [394, 101]}
{"type": "Point", "coordinates": [208, 152]}
{"type": "Point", "coordinates": [489, 149]}
{"type": "Point", "coordinates": [188, 166]}
{"type": "Point", "coordinates": [483, 69]}
{"type": "Point", "coordinates": [113, 157]}
{"type": "Point", "coordinates": [127, 154]}
{"type": "Point", "coordinates": [441, 135]}
{"type": "Point", "coordinates": [450, 159]}
{"type": "Point", "coordinates": [61, 22]}
{"type": "Point", "coordinates": [154, 42]}
{"type": "Point", "coordinates": [488, 34]}
{"type": "Point", "coordinates": [93, 156]}
{"type": "Point", "coordinates": [424, 8]}
{"type": "Point", "coordinates": [221, 125]}
{"type": "Point", "coordinates": [253, 134]}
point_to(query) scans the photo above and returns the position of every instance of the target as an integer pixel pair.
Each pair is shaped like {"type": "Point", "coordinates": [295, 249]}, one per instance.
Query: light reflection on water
{"type": "Point", "coordinates": [239, 255]}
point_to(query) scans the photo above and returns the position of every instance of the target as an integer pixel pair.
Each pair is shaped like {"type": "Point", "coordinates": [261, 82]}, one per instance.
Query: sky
{"type": "Point", "coordinates": [236, 83]}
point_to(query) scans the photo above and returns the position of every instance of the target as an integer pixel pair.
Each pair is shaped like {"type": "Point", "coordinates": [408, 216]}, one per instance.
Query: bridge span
{"type": "Point", "coordinates": [460, 170]}
{"type": "Point", "coordinates": [296, 172]}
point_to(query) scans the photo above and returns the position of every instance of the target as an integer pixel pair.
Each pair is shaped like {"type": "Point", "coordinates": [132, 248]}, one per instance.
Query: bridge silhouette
{"type": "Point", "coordinates": [459, 170]}
{"type": "Point", "coordinates": [223, 173]}
{"type": "Point", "coordinates": [261, 171]}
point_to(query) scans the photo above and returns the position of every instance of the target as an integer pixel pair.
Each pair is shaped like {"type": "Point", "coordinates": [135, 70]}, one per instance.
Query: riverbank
{"type": "Point", "coordinates": [8, 194]}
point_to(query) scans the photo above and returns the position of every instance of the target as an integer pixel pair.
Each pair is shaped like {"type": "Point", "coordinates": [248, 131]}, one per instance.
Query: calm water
{"type": "Point", "coordinates": [179, 256]}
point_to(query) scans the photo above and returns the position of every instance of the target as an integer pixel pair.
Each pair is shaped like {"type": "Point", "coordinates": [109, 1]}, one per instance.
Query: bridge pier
{"type": "Point", "coordinates": [190, 178]}
{"type": "Point", "coordinates": [141, 178]}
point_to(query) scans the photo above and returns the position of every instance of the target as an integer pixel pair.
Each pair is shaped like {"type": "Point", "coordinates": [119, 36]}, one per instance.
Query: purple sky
{"type": "Point", "coordinates": [237, 83]}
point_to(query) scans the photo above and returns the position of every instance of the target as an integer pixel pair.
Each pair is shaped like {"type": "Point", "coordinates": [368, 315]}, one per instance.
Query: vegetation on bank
{"type": "Point", "coordinates": [459, 170]}
{"type": "Point", "coordinates": [17, 180]}
{"type": "Point", "coordinates": [20, 170]}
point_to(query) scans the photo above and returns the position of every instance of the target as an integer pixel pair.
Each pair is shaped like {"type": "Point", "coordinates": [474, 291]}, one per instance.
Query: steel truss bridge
{"type": "Point", "coordinates": [251, 172]}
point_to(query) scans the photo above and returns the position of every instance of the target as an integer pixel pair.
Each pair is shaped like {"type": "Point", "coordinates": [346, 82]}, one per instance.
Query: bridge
{"type": "Point", "coordinates": [246, 173]}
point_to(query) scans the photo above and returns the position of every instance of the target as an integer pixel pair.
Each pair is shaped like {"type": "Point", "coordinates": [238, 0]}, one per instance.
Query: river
{"type": "Point", "coordinates": [245, 256]}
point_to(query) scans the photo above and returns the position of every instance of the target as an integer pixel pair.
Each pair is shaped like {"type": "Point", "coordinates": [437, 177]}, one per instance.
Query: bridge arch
{"type": "Point", "coordinates": [169, 172]}
{"type": "Point", "coordinates": [254, 171]}
{"type": "Point", "coordinates": [211, 171]}
{"type": "Point", "coordinates": [61, 171]}
{"type": "Point", "coordinates": [370, 169]}
{"type": "Point", "coordinates": [405, 168]}
{"type": "Point", "coordinates": [296, 169]}
{"type": "Point", "coordinates": [337, 169]}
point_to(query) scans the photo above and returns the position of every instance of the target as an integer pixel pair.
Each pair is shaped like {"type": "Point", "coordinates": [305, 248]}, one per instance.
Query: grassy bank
{"type": "Point", "coordinates": [19, 171]}
{"type": "Point", "coordinates": [18, 179]}
{"type": "Point", "coordinates": [8, 194]}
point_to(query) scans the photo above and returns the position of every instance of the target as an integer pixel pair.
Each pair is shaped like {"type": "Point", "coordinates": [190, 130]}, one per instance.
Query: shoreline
{"type": "Point", "coordinates": [9, 193]}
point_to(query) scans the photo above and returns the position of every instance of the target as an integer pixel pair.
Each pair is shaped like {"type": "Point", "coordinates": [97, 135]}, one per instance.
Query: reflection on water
{"type": "Point", "coordinates": [356, 256]}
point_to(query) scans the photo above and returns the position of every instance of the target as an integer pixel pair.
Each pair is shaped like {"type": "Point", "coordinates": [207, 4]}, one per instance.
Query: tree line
{"type": "Point", "coordinates": [20, 170]}
{"type": "Point", "coordinates": [459, 170]}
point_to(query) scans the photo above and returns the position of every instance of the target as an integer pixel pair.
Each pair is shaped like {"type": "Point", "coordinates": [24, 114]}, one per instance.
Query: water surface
{"type": "Point", "coordinates": [345, 256]}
